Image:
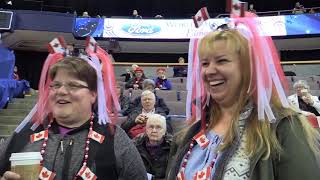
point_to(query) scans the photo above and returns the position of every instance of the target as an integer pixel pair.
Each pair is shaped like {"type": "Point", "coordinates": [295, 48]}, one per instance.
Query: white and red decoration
{"type": "Point", "coordinates": [39, 136]}
{"type": "Point", "coordinates": [86, 173]}
{"type": "Point", "coordinates": [96, 136]}
{"type": "Point", "coordinates": [46, 174]}
{"type": "Point", "coordinates": [201, 139]}
{"type": "Point", "coordinates": [201, 16]}
{"type": "Point", "coordinates": [236, 7]}
{"type": "Point", "coordinates": [57, 45]}
{"type": "Point", "coordinates": [203, 174]}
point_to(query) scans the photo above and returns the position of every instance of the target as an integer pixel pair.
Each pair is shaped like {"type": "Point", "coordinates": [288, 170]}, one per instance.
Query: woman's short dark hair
{"type": "Point", "coordinates": [76, 67]}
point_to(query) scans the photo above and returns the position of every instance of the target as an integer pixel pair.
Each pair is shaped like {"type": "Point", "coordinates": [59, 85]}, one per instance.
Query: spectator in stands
{"type": "Point", "coordinates": [158, 16]}
{"type": "Point", "coordinates": [312, 11]}
{"type": "Point", "coordinates": [72, 95]}
{"type": "Point", "coordinates": [16, 74]}
{"type": "Point", "coordinates": [154, 146]}
{"type": "Point", "coordinates": [85, 14]}
{"type": "Point", "coordinates": [303, 100]}
{"type": "Point", "coordinates": [298, 9]}
{"type": "Point", "coordinates": [124, 101]}
{"type": "Point", "coordinates": [180, 71]}
{"type": "Point", "coordinates": [148, 84]}
{"type": "Point", "coordinates": [137, 118]}
{"type": "Point", "coordinates": [136, 15]}
{"type": "Point", "coordinates": [239, 135]}
{"type": "Point", "coordinates": [161, 81]}
{"type": "Point", "coordinates": [70, 51]}
{"type": "Point", "coordinates": [136, 81]}
{"type": "Point", "coordinates": [128, 75]}
{"type": "Point", "coordinates": [251, 9]}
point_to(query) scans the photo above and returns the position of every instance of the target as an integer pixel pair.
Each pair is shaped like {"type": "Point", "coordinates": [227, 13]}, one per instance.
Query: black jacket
{"type": "Point", "coordinates": [156, 167]}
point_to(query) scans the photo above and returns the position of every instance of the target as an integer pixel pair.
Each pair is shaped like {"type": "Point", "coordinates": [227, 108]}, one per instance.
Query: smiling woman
{"type": "Point", "coordinates": [71, 140]}
{"type": "Point", "coordinates": [247, 131]}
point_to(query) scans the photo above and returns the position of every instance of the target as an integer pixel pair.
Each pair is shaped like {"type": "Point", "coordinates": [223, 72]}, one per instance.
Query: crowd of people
{"type": "Point", "coordinates": [240, 128]}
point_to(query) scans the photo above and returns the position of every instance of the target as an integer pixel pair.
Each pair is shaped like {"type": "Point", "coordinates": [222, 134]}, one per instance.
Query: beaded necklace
{"type": "Point", "coordinates": [200, 139]}
{"type": "Point", "coordinates": [85, 158]}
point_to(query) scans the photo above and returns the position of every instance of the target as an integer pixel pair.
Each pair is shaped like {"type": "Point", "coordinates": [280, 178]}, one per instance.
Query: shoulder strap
{"type": "Point", "coordinates": [103, 154]}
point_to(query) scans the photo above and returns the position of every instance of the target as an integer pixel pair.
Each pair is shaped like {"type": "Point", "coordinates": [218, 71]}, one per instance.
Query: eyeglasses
{"type": "Point", "coordinates": [70, 86]}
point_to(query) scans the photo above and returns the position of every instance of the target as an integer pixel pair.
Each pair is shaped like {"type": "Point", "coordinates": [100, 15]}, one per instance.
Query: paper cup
{"type": "Point", "coordinates": [27, 164]}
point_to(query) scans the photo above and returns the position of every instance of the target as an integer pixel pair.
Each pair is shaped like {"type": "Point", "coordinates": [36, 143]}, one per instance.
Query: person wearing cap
{"type": "Point", "coordinates": [303, 100]}
{"type": "Point", "coordinates": [161, 81]}
{"type": "Point", "coordinates": [154, 146]}
{"type": "Point", "coordinates": [136, 81]}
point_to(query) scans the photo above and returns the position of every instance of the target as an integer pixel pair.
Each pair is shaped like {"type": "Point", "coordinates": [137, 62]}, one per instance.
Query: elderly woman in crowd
{"type": "Point", "coordinates": [154, 146]}
{"type": "Point", "coordinates": [161, 81]}
{"type": "Point", "coordinates": [233, 140]}
{"type": "Point", "coordinates": [303, 100]}
{"type": "Point", "coordinates": [71, 140]}
{"type": "Point", "coordinates": [137, 118]}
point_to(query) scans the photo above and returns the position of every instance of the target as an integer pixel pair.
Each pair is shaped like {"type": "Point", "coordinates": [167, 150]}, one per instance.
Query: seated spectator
{"type": "Point", "coordinates": [298, 9]}
{"type": "Point", "coordinates": [251, 9]}
{"type": "Point", "coordinates": [16, 74]}
{"type": "Point", "coordinates": [312, 11]}
{"type": "Point", "coordinates": [128, 75]}
{"type": "Point", "coordinates": [303, 100]}
{"type": "Point", "coordinates": [136, 15]}
{"type": "Point", "coordinates": [158, 16]}
{"type": "Point", "coordinates": [85, 14]}
{"type": "Point", "coordinates": [154, 146]}
{"type": "Point", "coordinates": [180, 71]}
{"type": "Point", "coordinates": [124, 101]}
{"type": "Point", "coordinates": [137, 118]}
{"type": "Point", "coordinates": [136, 82]}
{"type": "Point", "coordinates": [148, 84]}
{"type": "Point", "coordinates": [161, 81]}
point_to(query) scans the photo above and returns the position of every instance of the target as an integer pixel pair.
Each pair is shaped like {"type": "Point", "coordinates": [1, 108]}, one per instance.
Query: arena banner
{"type": "Point", "coordinates": [185, 29]}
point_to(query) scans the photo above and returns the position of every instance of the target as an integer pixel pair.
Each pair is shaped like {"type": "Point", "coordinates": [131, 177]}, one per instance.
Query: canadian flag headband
{"type": "Point", "coordinates": [99, 60]}
{"type": "Point", "coordinates": [267, 74]}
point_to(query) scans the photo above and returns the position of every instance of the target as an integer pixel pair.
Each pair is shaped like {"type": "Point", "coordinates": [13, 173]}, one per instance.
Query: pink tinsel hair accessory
{"type": "Point", "coordinates": [41, 110]}
{"type": "Point", "coordinates": [107, 97]}
{"type": "Point", "coordinates": [266, 72]}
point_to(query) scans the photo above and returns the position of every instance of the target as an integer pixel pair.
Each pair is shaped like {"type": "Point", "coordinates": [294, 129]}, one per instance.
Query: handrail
{"type": "Point", "coordinates": [185, 64]}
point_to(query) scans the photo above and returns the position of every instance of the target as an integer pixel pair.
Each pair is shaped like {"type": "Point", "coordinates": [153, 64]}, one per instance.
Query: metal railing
{"type": "Point", "coordinates": [185, 64]}
{"type": "Point", "coordinates": [273, 13]}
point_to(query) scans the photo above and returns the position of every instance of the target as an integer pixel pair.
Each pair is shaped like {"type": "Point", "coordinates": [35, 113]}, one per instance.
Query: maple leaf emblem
{"type": "Point", "coordinates": [88, 175]}
{"type": "Point", "coordinates": [45, 174]}
{"type": "Point", "coordinates": [201, 174]}
{"type": "Point", "coordinates": [39, 135]}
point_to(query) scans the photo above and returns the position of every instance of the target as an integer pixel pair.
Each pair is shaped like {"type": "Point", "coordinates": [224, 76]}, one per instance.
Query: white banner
{"type": "Point", "coordinates": [182, 28]}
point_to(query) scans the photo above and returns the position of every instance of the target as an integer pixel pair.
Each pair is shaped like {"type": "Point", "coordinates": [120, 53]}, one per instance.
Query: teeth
{"type": "Point", "coordinates": [62, 102]}
{"type": "Point", "coordinates": [213, 83]}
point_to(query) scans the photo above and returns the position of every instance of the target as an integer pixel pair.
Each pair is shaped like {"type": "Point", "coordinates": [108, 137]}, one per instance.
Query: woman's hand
{"type": "Point", "coordinates": [141, 119]}
{"type": "Point", "coordinates": [8, 175]}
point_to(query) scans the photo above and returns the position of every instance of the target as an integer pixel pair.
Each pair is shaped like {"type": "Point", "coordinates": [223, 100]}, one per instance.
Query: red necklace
{"type": "Point", "coordinates": [84, 169]}
{"type": "Point", "coordinates": [203, 142]}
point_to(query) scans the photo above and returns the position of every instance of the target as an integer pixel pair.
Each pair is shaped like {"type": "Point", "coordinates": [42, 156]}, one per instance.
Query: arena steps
{"type": "Point", "coordinates": [15, 112]}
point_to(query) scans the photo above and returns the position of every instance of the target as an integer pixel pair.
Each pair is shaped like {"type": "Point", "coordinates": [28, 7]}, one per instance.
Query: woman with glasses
{"type": "Point", "coordinates": [154, 146]}
{"type": "Point", "coordinates": [72, 143]}
{"type": "Point", "coordinates": [247, 129]}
